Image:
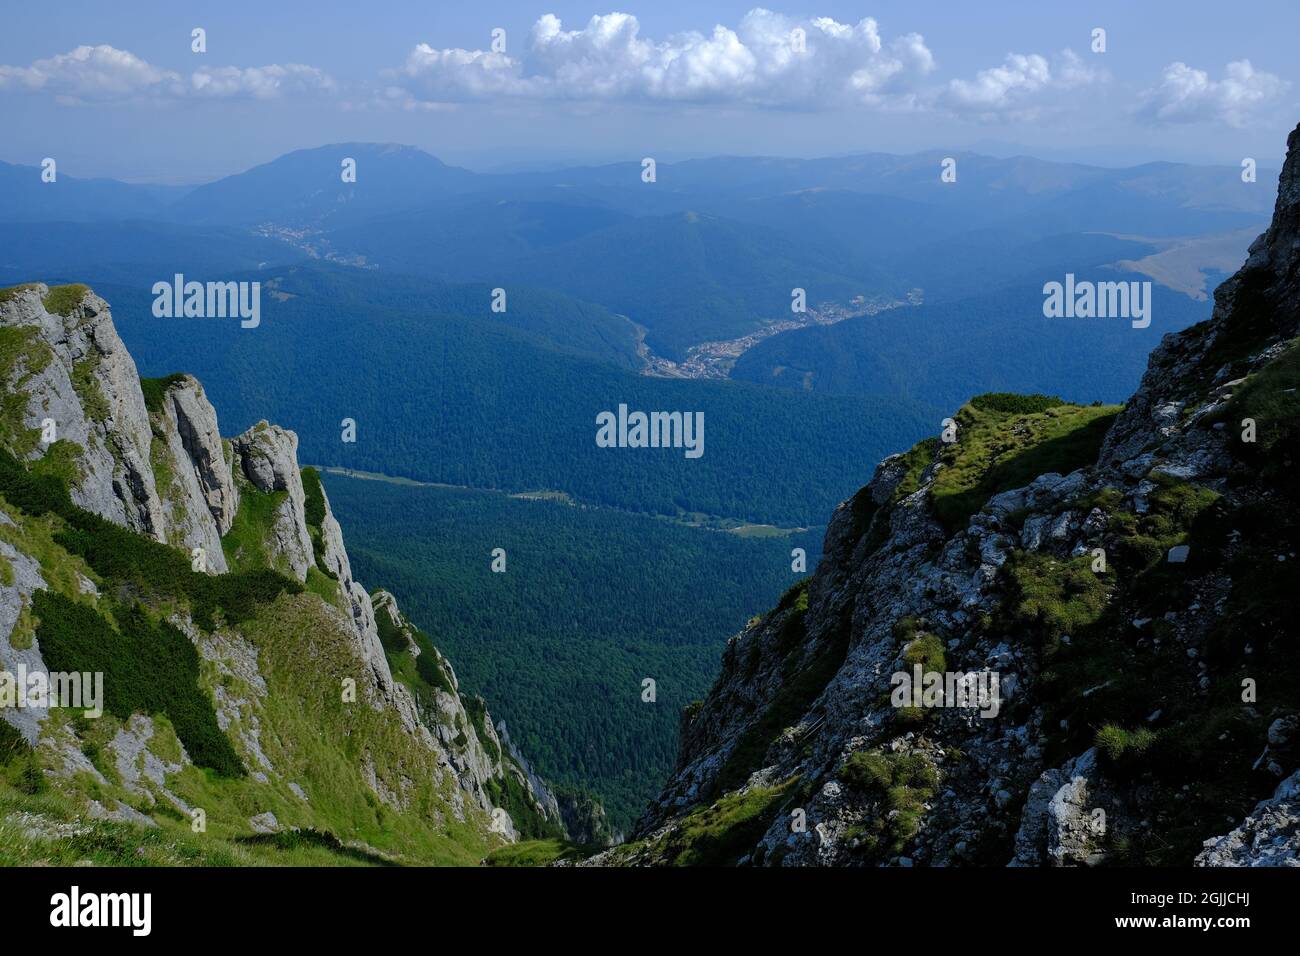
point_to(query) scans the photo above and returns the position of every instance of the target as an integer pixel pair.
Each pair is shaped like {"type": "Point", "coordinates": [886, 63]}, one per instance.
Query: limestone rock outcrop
{"type": "Point", "coordinates": [1126, 604]}
{"type": "Point", "coordinates": [267, 457]}
{"type": "Point", "coordinates": [149, 456]}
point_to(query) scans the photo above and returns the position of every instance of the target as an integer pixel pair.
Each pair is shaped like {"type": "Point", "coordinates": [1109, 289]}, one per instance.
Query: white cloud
{"type": "Point", "coordinates": [260, 82]}
{"type": "Point", "coordinates": [1022, 87]}
{"type": "Point", "coordinates": [106, 74]}
{"type": "Point", "coordinates": [1187, 95]}
{"type": "Point", "coordinates": [90, 73]}
{"type": "Point", "coordinates": [759, 62]}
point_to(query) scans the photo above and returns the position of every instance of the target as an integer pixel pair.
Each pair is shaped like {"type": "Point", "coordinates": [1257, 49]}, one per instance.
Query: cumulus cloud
{"type": "Point", "coordinates": [1187, 95]}
{"type": "Point", "coordinates": [101, 74]}
{"type": "Point", "coordinates": [1023, 85]}
{"type": "Point", "coordinates": [90, 73]}
{"type": "Point", "coordinates": [767, 59]}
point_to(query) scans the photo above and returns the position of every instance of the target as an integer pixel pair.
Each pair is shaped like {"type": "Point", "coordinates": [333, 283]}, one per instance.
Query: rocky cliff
{"type": "Point", "coordinates": [125, 517]}
{"type": "Point", "coordinates": [1099, 604]}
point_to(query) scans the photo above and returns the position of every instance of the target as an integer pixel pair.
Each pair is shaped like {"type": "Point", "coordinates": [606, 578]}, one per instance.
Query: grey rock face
{"type": "Point", "coordinates": [267, 457]}
{"type": "Point", "coordinates": [198, 494]}
{"type": "Point", "coordinates": [15, 597]}
{"type": "Point", "coordinates": [196, 427]}
{"type": "Point", "coordinates": [1270, 836]}
{"type": "Point", "coordinates": [141, 770]}
{"type": "Point", "coordinates": [334, 554]}
{"type": "Point", "coordinates": [1068, 816]}
{"type": "Point", "coordinates": [478, 755]}
{"type": "Point", "coordinates": [1269, 274]}
{"type": "Point", "coordinates": [79, 374]}
{"type": "Point", "coordinates": [264, 822]}
{"type": "Point", "coordinates": [367, 630]}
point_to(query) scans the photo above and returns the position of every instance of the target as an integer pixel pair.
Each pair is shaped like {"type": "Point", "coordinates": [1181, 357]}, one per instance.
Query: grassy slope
{"type": "Point", "coordinates": [1006, 441]}
{"type": "Point", "coordinates": [312, 738]}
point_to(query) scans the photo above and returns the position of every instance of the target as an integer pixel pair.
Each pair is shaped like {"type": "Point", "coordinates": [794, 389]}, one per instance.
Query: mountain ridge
{"type": "Point", "coordinates": [229, 549]}
{"type": "Point", "coordinates": [1123, 578]}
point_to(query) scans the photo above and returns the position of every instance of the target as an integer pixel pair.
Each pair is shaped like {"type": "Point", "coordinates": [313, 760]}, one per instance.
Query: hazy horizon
{"type": "Point", "coordinates": [486, 165]}
{"type": "Point", "coordinates": [580, 84]}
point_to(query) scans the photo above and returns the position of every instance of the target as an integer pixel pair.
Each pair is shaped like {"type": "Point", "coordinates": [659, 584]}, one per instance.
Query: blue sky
{"type": "Point", "coordinates": [1186, 81]}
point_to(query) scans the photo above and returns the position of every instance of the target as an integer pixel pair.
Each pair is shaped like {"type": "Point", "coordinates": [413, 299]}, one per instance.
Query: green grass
{"type": "Point", "coordinates": [314, 494]}
{"type": "Point", "coordinates": [49, 829]}
{"type": "Point", "coordinates": [19, 348]}
{"type": "Point", "coordinates": [915, 461]}
{"type": "Point", "coordinates": [148, 665]}
{"type": "Point", "coordinates": [149, 570]}
{"type": "Point", "coordinates": [1114, 741]}
{"type": "Point", "coordinates": [86, 385]}
{"type": "Point", "coordinates": [34, 536]}
{"type": "Point", "coordinates": [63, 299]}
{"type": "Point", "coordinates": [24, 629]}
{"type": "Point", "coordinates": [314, 508]}
{"type": "Point", "coordinates": [306, 842]}
{"type": "Point", "coordinates": [245, 544]}
{"type": "Point", "coordinates": [1143, 541]}
{"type": "Point", "coordinates": [428, 670]}
{"type": "Point", "coordinates": [795, 597]}
{"type": "Point", "coordinates": [323, 586]}
{"type": "Point", "coordinates": [1272, 398]}
{"type": "Point", "coordinates": [1058, 596]}
{"type": "Point", "coordinates": [998, 450]}
{"type": "Point", "coordinates": [11, 292]}
{"type": "Point", "coordinates": [1014, 403]}
{"type": "Point", "coordinates": [901, 784]}
{"type": "Point", "coordinates": [919, 648]}
{"type": "Point", "coordinates": [320, 741]}
{"type": "Point", "coordinates": [155, 390]}
{"type": "Point", "coordinates": [509, 794]}
{"type": "Point", "coordinates": [12, 743]}
{"type": "Point", "coordinates": [477, 710]}
{"type": "Point", "coordinates": [61, 461]}
{"type": "Point", "coordinates": [313, 737]}
{"type": "Point", "coordinates": [928, 651]}
{"type": "Point", "coordinates": [538, 853]}
{"type": "Point", "coordinates": [721, 833]}
{"type": "Point", "coordinates": [1101, 688]}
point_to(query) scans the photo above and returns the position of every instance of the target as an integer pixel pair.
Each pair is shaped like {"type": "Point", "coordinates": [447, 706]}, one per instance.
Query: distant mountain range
{"type": "Point", "coordinates": [710, 250]}
{"type": "Point", "coordinates": [376, 306]}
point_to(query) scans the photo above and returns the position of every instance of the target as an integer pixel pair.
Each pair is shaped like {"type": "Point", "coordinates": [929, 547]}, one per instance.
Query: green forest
{"type": "Point", "coordinates": [481, 403]}
{"type": "Point", "coordinates": [591, 603]}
